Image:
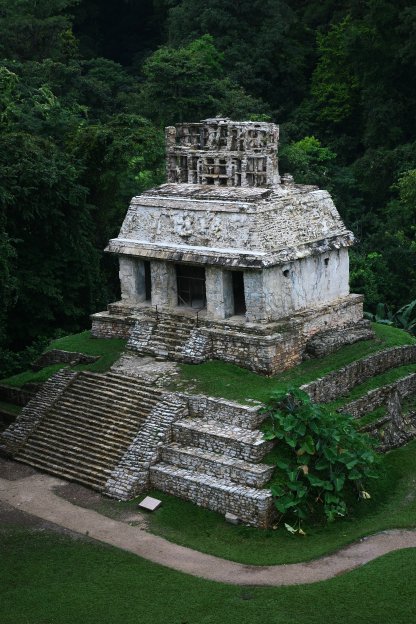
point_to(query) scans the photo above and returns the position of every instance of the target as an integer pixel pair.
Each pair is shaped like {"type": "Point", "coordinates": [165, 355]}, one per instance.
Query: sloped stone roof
{"type": "Point", "coordinates": [233, 226]}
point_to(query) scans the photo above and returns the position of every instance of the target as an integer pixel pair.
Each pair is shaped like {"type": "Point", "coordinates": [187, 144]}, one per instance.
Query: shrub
{"type": "Point", "coordinates": [322, 457]}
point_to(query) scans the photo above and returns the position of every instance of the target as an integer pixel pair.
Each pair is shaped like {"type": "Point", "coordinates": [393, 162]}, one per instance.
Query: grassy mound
{"type": "Point", "coordinates": [239, 384]}
{"type": "Point", "coordinates": [109, 351]}
{"type": "Point", "coordinates": [50, 578]}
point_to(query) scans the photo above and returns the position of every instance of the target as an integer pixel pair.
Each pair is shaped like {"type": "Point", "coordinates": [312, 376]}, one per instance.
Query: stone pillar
{"type": "Point", "coordinates": [132, 279]}
{"type": "Point", "coordinates": [164, 284]}
{"type": "Point", "coordinates": [219, 292]}
{"type": "Point", "coordinates": [254, 295]}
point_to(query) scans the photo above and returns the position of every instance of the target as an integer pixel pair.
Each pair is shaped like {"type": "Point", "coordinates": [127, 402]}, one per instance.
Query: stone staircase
{"type": "Point", "coordinates": [167, 339]}
{"type": "Point", "coordinates": [216, 464]}
{"type": "Point", "coordinates": [85, 433]}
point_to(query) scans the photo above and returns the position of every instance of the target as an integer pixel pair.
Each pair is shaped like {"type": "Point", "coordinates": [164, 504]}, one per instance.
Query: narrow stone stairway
{"type": "Point", "coordinates": [86, 432]}
{"type": "Point", "coordinates": [165, 338]}
{"type": "Point", "coordinates": [216, 464]}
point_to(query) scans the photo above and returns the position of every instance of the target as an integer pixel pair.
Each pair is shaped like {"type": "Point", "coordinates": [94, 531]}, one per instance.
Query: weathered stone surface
{"type": "Point", "coordinates": [340, 382]}
{"type": "Point", "coordinates": [380, 396]}
{"type": "Point", "coordinates": [265, 251]}
{"type": "Point", "coordinates": [131, 475]}
{"type": "Point", "coordinates": [26, 422]}
{"type": "Point", "coordinates": [327, 342]}
{"type": "Point", "coordinates": [58, 356]}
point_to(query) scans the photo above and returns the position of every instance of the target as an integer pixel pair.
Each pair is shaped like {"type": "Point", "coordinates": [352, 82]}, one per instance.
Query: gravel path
{"type": "Point", "coordinates": [34, 494]}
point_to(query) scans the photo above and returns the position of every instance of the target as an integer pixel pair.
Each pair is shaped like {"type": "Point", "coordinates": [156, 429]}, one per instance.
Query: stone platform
{"type": "Point", "coordinates": [184, 336]}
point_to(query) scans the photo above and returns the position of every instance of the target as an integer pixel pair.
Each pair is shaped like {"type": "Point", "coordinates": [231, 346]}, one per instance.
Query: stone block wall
{"type": "Point", "coordinates": [131, 476]}
{"type": "Point", "coordinates": [254, 507]}
{"type": "Point", "coordinates": [340, 382]}
{"type": "Point", "coordinates": [248, 417]}
{"type": "Point", "coordinates": [58, 356]}
{"type": "Point", "coordinates": [105, 325]}
{"type": "Point", "coordinates": [380, 396]}
{"type": "Point", "coordinates": [27, 421]}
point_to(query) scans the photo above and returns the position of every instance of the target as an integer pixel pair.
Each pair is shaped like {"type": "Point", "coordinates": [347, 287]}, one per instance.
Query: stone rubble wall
{"type": "Point", "coordinates": [210, 435]}
{"type": "Point", "coordinates": [131, 476]}
{"type": "Point", "coordinates": [197, 349]}
{"type": "Point", "coordinates": [140, 334]}
{"type": "Point", "coordinates": [328, 342]}
{"type": "Point", "coordinates": [248, 417]}
{"type": "Point", "coordinates": [105, 325]}
{"type": "Point", "coordinates": [27, 421]}
{"type": "Point", "coordinates": [340, 382]}
{"type": "Point", "coordinates": [395, 428]}
{"type": "Point", "coordinates": [253, 507]}
{"type": "Point", "coordinates": [58, 356]}
{"type": "Point", "coordinates": [266, 348]}
{"type": "Point", "coordinates": [229, 468]}
{"type": "Point", "coordinates": [380, 396]}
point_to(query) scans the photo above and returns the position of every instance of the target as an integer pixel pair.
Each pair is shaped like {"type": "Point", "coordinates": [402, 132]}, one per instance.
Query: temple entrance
{"type": "Point", "coordinates": [147, 280]}
{"type": "Point", "coordinates": [238, 292]}
{"type": "Point", "coordinates": [191, 286]}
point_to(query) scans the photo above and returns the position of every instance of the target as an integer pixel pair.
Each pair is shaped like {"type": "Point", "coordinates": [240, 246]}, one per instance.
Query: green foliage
{"type": "Point", "coordinates": [309, 162]}
{"type": "Point", "coordinates": [368, 276]}
{"type": "Point", "coordinates": [101, 585]}
{"type": "Point", "coordinates": [239, 384]}
{"type": "Point", "coordinates": [323, 457]}
{"type": "Point", "coordinates": [12, 362]}
{"type": "Point", "coordinates": [86, 86]}
{"type": "Point", "coordinates": [187, 83]}
{"type": "Point", "coordinates": [255, 38]}
{"type": "Point", "coordinates": [405, 318]}
{"type": "Point", "coordinates": [335, 85]}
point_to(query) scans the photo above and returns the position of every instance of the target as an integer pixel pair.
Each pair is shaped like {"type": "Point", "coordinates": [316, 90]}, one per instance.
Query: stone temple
{"type": "Point", "coordinates": [228, 260]}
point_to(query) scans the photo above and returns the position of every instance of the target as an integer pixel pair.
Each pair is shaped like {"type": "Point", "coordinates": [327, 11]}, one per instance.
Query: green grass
{"type": "Point", "coordinates": [393, 505]}
{"type": "Point", "coordinates": [54, 579]}
{"type": "Point", "coordinates": [109, 351]}
{"type": "Point", "coordinates": [372, 417]}
{"type": "Point", "coordinates": [10, 408]}
{"type": "Point", "coordinates": [383, 379]}
{"type": "Point", "coordinates": [239, 384]}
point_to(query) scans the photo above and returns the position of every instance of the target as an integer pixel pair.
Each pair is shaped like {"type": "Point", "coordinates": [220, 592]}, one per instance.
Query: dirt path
{"type": "Point", "coordinates": [34, 495]}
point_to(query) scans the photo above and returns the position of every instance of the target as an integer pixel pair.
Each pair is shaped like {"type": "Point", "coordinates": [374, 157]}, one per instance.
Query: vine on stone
{"type": "Point", "coordinates": [322, 456]}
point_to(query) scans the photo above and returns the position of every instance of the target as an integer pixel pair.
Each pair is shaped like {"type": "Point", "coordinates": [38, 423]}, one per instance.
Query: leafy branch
{"type": "Point", "coordinates": [323, 456]}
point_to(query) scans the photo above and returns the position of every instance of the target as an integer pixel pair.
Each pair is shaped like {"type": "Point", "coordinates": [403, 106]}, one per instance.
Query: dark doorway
{"type": "Point", "coordinates": [147, 280]}
{"type": "Point", "coordinates": [191, 286]}
{"type": "Point", "coordinates": [238, 292]}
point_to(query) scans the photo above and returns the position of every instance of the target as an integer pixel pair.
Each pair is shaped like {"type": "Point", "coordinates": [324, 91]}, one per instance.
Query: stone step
{"type": "Point", "coordinates": [253, 506]}
{"type": "Point", "coordinates": [101, 459]}
{"type": "Point", "coordinates": [172, 329]}
{"type": "Point", "coordinates": [100, 414]}
{"type": "Point", "coordinates": [86, 466]}
{"type": "Point", "coordinates": [72, 417]}
{"type": "Point", "coordinates": [73, 438]}
{"type": "Point", "coordinates": [108, 402]}
{"type": "Point", "coordinates": [212, 435]}
{"type": "Point", "coordinates": [86, 477]}
{"type": "Point", "coordinates": [217, 465]}
{"type": "Point", "coordinates": [119, 384]}
{"type": "Point", "coordinates": [113, 388]}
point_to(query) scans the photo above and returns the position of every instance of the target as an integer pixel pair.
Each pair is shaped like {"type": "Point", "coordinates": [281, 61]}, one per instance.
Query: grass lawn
{"type": "Point", "coordinates": [48, 578]}
{"type": "Point", "coordinates": [109, 351]}
{"type": "Point", "coordinates": [393, 505]}
{"type": "Point", "coordinates": [239, 384]}
{"type": "Point", "coordinates": [10, 408]}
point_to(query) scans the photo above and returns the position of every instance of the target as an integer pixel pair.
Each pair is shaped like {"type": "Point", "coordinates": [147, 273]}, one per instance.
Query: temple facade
{"type": "Point", "coordinates": [228, 260]}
